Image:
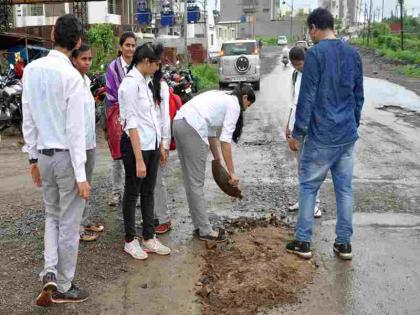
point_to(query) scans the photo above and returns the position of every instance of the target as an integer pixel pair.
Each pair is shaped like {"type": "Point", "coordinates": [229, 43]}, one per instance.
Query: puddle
{"type": "Point", "coordinates": [382, 220]}
{"type": "Point", "coordinates": [380, 92]}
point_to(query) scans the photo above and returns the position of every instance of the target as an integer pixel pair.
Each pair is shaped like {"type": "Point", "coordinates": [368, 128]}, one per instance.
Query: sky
{"type": "Point", "coordinates": [388, 5]}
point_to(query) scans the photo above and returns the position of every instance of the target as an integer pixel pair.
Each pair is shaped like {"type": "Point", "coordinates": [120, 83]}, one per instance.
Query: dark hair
{"type": "Point", "coordinates": [321, 18]}
{"type": "Point", "coordinates": [145, 51]}
{"type": "Point", "coordinates": [126, 35]}
{"type": "Point", "coordinates": [83, 48]}
{"type": "Point", "coordinates": [239, 92]}
{"type": "Point", "coordinates": [156, 85]}
{"type": "Point", "coordinates": [67, 31]}
{"type": "Point", "coordinates": [297, 53]}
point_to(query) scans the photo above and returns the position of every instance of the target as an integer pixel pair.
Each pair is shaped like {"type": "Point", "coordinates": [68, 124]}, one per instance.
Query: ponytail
{"type": "Point", "coordinates": [239, 92]}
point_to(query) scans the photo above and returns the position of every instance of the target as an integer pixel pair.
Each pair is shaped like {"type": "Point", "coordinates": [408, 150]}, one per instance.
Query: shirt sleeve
{"type": "Point", "coordinates": [231, 118]}
{"type": "Point", "coordinates": [75, 126]}
{"type": "Point", "coordinates": [166, 120]}
{"type": "Point", "coordinates": [29, 129]}
{"type": "Point", "coordinates": [127, 97]}
{"type": "Point", "coordinates": [358, 90]}
{"type": "Point", "coordinates": [307, 95]}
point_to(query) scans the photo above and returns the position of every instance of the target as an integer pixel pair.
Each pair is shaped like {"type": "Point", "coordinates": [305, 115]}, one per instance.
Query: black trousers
{"type": "Point", "coordinates": [135, 186]}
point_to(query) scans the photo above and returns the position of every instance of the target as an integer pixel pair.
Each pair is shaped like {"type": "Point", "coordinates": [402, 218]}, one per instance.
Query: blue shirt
{"type": "Point", "coordinates": [331, 95]}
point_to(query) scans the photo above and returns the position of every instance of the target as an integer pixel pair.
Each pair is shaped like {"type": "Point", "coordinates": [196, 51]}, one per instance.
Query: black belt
{"type": "Point", "coordinates": [50, 152]}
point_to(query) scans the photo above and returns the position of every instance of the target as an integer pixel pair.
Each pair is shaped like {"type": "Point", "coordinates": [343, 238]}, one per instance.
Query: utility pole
{"type": "Point", "coordinates": [369, 19]}
{"type": "Point", "coordinates": [383, 5]}
{"type": "Point", "coordinates": [401, 2]}
{"type": "Point", "coordinates": [291, 23]}
{"type": "Point", "coordinates": [186, 61]}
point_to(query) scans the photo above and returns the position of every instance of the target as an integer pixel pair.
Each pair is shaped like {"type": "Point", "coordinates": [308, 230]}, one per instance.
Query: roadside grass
{"type": "Point", "coordinates": [268, 40]}
{"type": "Point", "coordinates": [207, 76]}
{"type": "Point", "coordinates": [409, 71]}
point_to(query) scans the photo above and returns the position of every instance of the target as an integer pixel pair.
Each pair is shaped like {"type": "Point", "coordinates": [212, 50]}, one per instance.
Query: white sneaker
{"type": "Point", "coordinates": [317, 211]}
{"type": "Point", "coordinates": [294, 207]}
{"type": "Point", "coordinates": [134, 249]}
{"type": "Point", "coordinates": [155, 246]}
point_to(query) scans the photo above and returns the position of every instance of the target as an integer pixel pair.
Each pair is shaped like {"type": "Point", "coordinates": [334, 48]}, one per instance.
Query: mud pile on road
{"type": "Point", "coordinates": [253, 270]}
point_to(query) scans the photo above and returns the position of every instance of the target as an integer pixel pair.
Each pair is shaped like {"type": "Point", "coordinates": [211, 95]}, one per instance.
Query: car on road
{"type": "Point", "coordinates": [282, 40]}
{"type": "Point", "coordinates": [239, 63]}
{"type": "Point", "coordinates": [302, 43]}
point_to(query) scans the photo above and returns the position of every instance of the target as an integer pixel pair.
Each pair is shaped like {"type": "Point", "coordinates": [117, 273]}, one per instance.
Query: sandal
{"type": "Point", "coordinates": [95, 228]}
{"type": "Point", "coordinates": [221, 236]}
{"type": "Point", "coordinates": [86, 237]}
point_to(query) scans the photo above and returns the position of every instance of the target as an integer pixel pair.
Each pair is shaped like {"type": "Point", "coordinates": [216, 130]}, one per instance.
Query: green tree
{"type": "Point", "coordinates": [103, 42]}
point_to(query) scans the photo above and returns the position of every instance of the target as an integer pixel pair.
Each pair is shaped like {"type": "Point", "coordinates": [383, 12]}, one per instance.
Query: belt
{"type": "Point", "coordinates": [50, 152]}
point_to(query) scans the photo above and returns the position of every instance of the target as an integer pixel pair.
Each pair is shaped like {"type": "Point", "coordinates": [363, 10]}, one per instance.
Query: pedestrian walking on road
{"type": "Point", "coordinates": [161, 97]}
{"type": "Point", "coordinates": [195, 127]}
{"type": "Point", "coordinates": [140, 149]}
{"type": "Point", "coordinates": [327, 118]}
{"type": "Point", "coordinates": [53, 104]}
{"type": "Point", "coordinates": [115, 73]}
{"type": "Point", "coordinates": [297, 59]}
{"type": "Point", "coordinates": [82, 61]}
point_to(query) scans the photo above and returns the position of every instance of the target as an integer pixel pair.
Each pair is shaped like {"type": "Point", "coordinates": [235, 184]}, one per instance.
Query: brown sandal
{"type": "Point", "coordinates": [221, 236]}
{"type": "Point", "coordinates": [95, 228]}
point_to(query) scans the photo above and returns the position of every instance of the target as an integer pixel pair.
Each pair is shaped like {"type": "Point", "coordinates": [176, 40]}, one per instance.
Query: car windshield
{"type": "Point", "coordinates": [301, 44]}
{"type": "Point", "coordinates": [282, 37]}
{"type": "Point", "coordinates": [234, 49]}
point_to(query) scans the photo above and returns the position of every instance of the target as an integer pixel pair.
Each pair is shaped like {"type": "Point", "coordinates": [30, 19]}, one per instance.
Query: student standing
{"type": "Point", "coordinates": [161, 96]}
{"type": "Point", "coordinates": [327, 118]}
{"type": "Point", "coordinates": [54, 131]}
{"type": "Point", "coordinates": [140, 145]}
{"type": "Point", "coordinates": [115, 73]}
{"type": "Point", "coordinates": [82, 61]}
{"type": "Point", "coordinates": [195, 127]}
{"type": "Point", "coordinates": [297, 59]}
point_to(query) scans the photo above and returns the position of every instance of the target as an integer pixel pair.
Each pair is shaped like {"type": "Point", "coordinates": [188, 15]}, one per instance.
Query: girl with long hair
{"type": "Point", "coordinates": [195, 127]}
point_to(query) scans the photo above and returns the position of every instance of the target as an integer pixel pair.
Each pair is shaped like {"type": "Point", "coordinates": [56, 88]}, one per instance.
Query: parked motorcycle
{"type": "Point", "coordinates": [98, 89]}
{"type": "Point", "coordinates": [10, 101]}
{"type": "Point", "coordinates": [181, 81]}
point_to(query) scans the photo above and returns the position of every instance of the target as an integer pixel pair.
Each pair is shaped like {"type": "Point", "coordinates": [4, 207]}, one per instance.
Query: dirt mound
{"type": "Point", "coordinates": [252, 270]}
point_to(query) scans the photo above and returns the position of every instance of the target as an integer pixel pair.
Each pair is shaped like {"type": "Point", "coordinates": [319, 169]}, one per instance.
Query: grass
{"type": "Point", "coordinates": [207, 76]}
{"type": "Point", "coordinates": [268, 40]}
{"type": "Point", "coordinates": [410, 71]}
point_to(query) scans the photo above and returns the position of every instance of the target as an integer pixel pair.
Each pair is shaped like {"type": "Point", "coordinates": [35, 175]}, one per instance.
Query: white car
{"type": "Point", "coordinates": [282, 40]}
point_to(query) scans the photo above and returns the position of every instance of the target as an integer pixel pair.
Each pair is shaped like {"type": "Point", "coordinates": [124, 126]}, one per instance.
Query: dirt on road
{"type": "Point", "coordinates": [252, 271]}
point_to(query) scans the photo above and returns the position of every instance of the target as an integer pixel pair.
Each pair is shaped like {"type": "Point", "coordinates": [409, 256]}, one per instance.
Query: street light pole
{"type": "Point", "coordinates": [186, 32]}
{"type": "Point", "coordinates": [291, 23]}
{"type": "Point", "coordinates": [401, 2]}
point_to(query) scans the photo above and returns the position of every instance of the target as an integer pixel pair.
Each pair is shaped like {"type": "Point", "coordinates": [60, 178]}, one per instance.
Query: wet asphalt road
{"type": "Point", "coordinates": [384, 276]}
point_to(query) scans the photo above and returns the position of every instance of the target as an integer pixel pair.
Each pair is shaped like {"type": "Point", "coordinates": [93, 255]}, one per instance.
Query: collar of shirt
{"type": "Point", "coordinates": [136, 74]}
{"type": "Point", "coordinates": [87, 80]}
{"type": "Point", "coordinates": [124, 65]}
{"type": "Point", "coordinates": [59, 54]}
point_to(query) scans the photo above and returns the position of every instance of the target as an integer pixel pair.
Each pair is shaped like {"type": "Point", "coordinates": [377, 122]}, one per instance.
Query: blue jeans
{"type": "Point", "coordinates": [315, 162]}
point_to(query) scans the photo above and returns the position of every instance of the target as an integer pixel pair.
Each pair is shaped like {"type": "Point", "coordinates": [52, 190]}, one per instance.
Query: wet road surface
{"type": "Point", "coordinates": [383, 277]}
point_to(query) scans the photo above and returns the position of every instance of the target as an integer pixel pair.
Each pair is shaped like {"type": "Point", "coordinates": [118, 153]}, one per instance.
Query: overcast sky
{"type": "Point", "coordinates": [388, 5]}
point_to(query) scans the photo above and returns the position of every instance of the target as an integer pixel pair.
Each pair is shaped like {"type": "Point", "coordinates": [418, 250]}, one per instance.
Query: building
{"type": "Point", "coordinates": [343, 10]}
{"type": "Point", "coordinates": [261, 18]}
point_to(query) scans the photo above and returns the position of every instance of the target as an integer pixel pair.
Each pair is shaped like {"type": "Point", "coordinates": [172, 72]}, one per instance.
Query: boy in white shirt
{"type": "Point", "coordinates": [297, 59]}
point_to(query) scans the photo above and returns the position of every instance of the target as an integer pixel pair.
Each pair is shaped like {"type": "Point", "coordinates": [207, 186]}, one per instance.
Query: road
{"type": "Point", "coordinates": [383, 277]}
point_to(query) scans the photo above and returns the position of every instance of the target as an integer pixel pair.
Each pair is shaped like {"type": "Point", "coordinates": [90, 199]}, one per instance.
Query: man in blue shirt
{"type": "Point", "coordinates": [327, 119]}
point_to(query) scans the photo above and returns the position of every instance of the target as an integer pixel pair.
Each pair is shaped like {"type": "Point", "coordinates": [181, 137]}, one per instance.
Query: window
{"type": "Point", "coordinates": [34, 10]}
{"type": "Point", "coordinates": [112, 6]}
{"type": "Point", "coordinates": [236, 49]}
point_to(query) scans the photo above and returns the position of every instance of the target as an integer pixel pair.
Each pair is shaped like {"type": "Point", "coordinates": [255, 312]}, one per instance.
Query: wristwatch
{"type": "Point", "coordinates": [33, 161]}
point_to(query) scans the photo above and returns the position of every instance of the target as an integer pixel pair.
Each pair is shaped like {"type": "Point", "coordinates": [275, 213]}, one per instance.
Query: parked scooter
{"type": "Point", "coordinates": [98, 89]}
{"type": "Point", "coordinates": [10, 101]}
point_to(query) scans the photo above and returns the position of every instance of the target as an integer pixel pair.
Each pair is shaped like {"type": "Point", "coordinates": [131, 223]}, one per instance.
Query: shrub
{"type": "Point", "coordinates": [207, 76]}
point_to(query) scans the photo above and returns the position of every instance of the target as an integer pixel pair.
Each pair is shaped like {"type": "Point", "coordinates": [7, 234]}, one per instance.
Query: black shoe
{"type": "Point", "coordinates": [220, 238]}
{"type": "Point", "coordinates": [73, 295]}
{"type": "Point", "coordinates": [301, 249]}
{"type": "Point", "coordinates": [49, 283]}
{"type": "Point", "coordinates": [343, 251]}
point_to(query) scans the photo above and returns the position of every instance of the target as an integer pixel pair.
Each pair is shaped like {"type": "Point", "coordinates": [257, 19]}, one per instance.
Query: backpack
{"type": "Point", "coordinates": [175, 104]}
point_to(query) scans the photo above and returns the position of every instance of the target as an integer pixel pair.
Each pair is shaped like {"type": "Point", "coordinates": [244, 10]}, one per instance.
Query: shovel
{"type": "Point", "coordinates": [221, 177]}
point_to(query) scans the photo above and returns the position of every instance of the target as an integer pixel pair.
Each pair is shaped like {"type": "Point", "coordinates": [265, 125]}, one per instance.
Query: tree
{"type": "Point", "coordinates": [103, 42]}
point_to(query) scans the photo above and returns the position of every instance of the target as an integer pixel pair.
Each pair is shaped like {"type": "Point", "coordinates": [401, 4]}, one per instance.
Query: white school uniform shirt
{"type": "Point", "coordinates": [210, 111]}
{"type": "Point", "coordinates": [295, 98]}
{"type": "Point", "coordinates": [165, 120]}
{"type": "Point", "coordinates": [53, 109]}
{"type": "Point", "coordinates": [140, 111]}
{"type": "Point", "coordinates": [124, 65]}
{"type": "Point", "coordinates": [90, 120]}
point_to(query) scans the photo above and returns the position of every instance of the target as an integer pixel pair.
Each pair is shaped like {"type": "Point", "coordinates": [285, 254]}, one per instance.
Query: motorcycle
{"type": "Point", "coordinates": [98, 89]}
{"type": "Point", "coordinates": [10, 101]}
{"type": "Point", "coordinates": [182, 82]}
{"type": "Point", "coordinates": [285, 60]}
